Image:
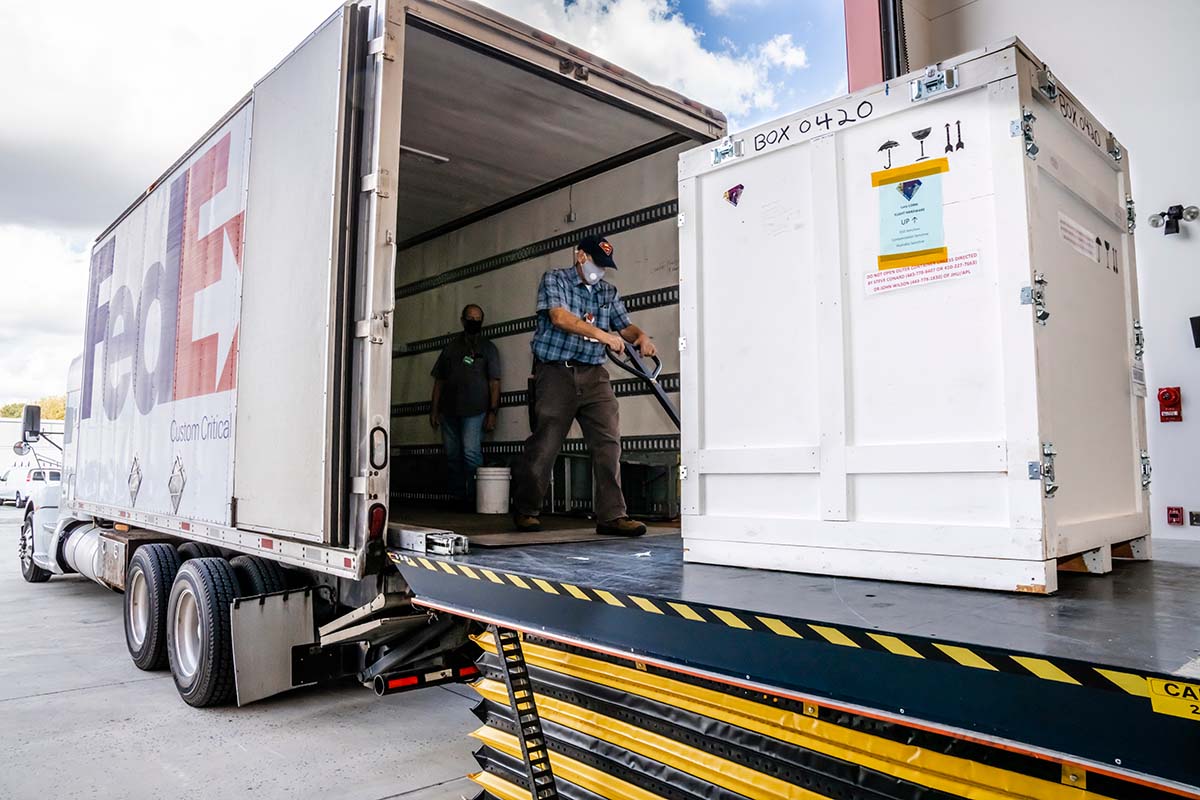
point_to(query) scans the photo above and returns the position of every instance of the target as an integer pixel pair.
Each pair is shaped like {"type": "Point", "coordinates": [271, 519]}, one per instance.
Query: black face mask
{"type": "Point", "coordinates": [472, 326]}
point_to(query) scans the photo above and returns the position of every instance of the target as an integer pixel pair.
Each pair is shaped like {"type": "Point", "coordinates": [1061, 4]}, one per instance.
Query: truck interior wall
{"type": "Point", "coordinates": [634, 206]}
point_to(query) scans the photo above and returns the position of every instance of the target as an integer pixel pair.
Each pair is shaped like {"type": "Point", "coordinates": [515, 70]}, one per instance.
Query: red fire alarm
{"type": "Point", "coordinates": [1170, 404]}
{"type": "Point", "coordinates": [1174, 515]}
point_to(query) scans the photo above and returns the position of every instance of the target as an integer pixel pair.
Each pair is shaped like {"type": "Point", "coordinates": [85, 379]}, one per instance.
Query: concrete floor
{"type": "Point", "coordinates": [77, 719]}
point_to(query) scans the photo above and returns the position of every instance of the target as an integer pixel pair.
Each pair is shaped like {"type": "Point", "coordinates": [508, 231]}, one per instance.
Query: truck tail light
{"type": "Point", "coordinates": [376, 521]}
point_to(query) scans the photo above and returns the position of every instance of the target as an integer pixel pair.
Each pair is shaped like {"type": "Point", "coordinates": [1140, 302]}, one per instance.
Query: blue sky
{"type": "Point", "coordinates": [816, 25]}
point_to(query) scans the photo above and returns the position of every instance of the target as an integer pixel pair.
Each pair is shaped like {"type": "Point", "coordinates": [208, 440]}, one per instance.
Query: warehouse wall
{"type": "Point", "coordinates": [1133, 65]}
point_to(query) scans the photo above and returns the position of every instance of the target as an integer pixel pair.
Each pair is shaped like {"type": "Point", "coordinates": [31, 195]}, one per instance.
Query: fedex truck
{"type": "Point", "coordinates": [230, 424]}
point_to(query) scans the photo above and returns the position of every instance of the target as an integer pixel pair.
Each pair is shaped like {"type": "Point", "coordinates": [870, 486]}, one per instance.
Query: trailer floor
{"type": "Point", "coordinates": [493, 530]}
{"type": "Point", "coordinates": [79, 720]}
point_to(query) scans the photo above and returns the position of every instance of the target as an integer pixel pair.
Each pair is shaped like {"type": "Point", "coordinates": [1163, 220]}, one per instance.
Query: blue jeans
{"type": "Point", "coordinates": [463, 440]}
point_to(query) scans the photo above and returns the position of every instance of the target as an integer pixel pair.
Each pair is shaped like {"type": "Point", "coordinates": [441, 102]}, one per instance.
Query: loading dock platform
{"type": "Point", "coordinates": [857, 686]}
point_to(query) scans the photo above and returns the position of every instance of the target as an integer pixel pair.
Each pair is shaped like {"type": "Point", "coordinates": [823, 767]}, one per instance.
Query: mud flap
{"type": "Point", "coordinates": [265, 628]}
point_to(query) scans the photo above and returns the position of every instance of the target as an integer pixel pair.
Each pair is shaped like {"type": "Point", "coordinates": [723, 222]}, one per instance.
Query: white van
{"type": "Point", "coordinates": [18, 483]}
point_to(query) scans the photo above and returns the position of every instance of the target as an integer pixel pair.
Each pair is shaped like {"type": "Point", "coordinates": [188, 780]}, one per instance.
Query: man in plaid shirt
{"type": "Point", "coordinates": [579, 317]}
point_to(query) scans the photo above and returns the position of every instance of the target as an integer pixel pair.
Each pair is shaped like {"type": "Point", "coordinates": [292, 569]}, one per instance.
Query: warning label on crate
{"type": "Point", "coordinates": [959, 266]}
{"type": "Point", "coordinates": [911, 227]}
{"type": "Point", "coordinates": [1079, 238]}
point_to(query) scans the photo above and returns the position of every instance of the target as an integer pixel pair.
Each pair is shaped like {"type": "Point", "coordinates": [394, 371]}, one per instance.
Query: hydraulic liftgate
{"type": "Point", "coordinates": [645, 696]}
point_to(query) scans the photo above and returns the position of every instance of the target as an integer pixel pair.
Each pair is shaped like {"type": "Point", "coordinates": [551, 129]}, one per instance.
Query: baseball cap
{"type": "Point", "coordinates": [599, 249]}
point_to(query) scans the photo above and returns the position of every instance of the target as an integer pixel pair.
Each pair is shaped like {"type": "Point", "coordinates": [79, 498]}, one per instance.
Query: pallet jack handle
{"type": "Point", "coordinates": [635, 366]}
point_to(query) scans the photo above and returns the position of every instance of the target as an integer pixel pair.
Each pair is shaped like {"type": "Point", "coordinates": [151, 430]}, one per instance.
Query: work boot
{"type": "Point", "coordinates": [524, 523]}
{"type": "Point", "coordinates": [624, 526]}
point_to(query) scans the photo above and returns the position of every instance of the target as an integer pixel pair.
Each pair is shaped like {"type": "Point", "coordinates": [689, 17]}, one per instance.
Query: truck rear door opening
{"type": "Point", "coordinates": [509, 153]}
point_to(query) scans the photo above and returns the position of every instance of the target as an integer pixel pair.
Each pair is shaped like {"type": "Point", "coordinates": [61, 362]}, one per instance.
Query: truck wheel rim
{"type": "Point", "coordinates": [26, 547]}
{"type": "Point", "coordinates": [139, 607]}
{"type": "Point", "coordinates": [187, 634]}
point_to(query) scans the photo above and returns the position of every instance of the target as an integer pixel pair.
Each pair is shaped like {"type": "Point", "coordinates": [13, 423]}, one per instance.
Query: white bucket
{"type": "Point", "coordinates": [491, 490]}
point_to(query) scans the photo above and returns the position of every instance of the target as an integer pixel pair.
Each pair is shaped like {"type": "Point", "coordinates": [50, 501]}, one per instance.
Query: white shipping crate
{"type": "Point", "coordinates": [909, 339]}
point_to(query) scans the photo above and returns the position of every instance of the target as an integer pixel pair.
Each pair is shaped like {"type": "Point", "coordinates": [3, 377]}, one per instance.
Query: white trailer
{"type": "Point", "coordinates": [234, 395]}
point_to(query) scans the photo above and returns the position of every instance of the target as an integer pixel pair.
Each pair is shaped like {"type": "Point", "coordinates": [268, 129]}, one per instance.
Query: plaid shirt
{"type": "Point", "coordinates": [601, 306]}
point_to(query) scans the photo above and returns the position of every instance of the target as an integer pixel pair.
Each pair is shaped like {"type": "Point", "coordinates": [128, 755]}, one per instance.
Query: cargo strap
{"type": "Point", "coordinates": [529, 724]}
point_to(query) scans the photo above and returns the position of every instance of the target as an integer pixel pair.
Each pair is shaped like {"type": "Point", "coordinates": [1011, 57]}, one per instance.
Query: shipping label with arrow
{"type": "Point", "coordinates": [911, 230]}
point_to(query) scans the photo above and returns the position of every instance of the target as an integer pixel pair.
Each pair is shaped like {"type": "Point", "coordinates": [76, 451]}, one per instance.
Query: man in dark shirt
{"type": "Point", "coordinates": [466, 395]}
{"type": "Point", "coordinates": [579, 317]}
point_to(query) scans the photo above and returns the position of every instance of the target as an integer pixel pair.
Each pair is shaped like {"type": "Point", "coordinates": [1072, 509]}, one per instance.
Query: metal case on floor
{"type": "Point", "coordinates": [909, 337]}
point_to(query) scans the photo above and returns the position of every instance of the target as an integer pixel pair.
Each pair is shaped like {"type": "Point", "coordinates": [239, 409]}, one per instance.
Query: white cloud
{"type": "Point", "coordinates": [43, 279]}
{"type": "Point", "coordinates": [723, 8]}
{"type": "Point", "coordinates": [781, 51]}
{"type": "Point", "coordinates": [104, 104]}
{"type": "Point", "coordinates": [99, 108]}
{"type": "Point", "coordinates": [652, 39]}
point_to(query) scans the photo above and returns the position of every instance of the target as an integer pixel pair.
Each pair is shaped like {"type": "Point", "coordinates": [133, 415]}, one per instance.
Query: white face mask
{"type": "Point", "coordinates": [591, 273]}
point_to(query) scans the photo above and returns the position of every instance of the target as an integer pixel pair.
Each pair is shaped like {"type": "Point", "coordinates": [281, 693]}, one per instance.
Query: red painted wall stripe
{"type": "Point", "coordinates": [864, 44]}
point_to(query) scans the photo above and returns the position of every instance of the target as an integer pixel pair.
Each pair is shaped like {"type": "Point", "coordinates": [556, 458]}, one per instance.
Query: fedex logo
{"type": "Point", "coordinates": [173, 334]}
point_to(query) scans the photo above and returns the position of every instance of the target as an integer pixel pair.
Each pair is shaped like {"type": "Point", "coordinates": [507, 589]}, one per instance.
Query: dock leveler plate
{"type": "Point", "coordinates": [890, 712]}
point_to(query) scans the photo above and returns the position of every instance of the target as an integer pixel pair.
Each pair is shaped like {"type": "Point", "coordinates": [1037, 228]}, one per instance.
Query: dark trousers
{"type": "Point", "coordinates": [562, 395]}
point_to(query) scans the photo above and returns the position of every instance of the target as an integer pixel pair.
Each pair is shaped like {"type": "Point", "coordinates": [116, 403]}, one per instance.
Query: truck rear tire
{"type": "Point", "coordinates": [190, 550]}
{"type": "Point", "coordinates": [30, 571]}
{"type": "Point", "coordinates": [258, 575]}
{"type": "Point", "coordinates": [199, 637]}
{"type": "Point", "coordinates": [148, 583]}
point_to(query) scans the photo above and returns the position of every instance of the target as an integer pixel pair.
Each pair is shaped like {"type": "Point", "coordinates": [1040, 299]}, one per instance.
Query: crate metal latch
{"type": "Point", "coordinates": [933, 82]}
{"type": "Point", "coordinates": [1044, 470]}
{"type": "Point", "coordinates": [728, 148]}
{"type": "Point", "coordinates": [1146, 470]}
{"type": "Point", "coordinates": [1035, 296]}
{"type": "Point", "coordinates": [1046, 83]}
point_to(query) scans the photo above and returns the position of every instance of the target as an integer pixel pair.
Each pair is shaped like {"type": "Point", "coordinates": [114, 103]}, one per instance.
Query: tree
{"type": "Point", "coordinates": [54, 406]}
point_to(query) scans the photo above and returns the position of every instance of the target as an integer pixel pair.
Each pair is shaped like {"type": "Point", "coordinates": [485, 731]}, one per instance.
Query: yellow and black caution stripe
{"type": "Point", "coordinates": [620, 729]}
{"type": "Point", "coordinates": [1056, 670]}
